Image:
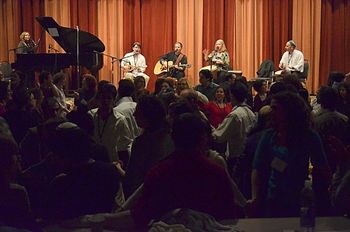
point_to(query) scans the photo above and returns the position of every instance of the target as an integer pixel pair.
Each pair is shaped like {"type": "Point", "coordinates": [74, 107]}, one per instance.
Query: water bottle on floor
{"type": "Point", "coordinates": [307, 208]}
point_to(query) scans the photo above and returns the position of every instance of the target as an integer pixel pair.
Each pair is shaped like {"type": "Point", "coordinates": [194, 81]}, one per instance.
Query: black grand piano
{"type": "Point", "coordinates": [90, 49]}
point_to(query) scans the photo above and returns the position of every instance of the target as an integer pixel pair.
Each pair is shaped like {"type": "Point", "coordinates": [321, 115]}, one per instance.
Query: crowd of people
{"type": "Point", "coordinates": [131, 156]}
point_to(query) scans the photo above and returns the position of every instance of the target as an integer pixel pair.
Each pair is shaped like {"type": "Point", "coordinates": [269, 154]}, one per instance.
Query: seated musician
{"type": "Point", "coordinates": [219, 60]}
{"type": "Point", "coordinates": [26, 45]}
{"type": "Point", "coordinates": [173, 62]}
{"type": "Point", "coordinates": [292, 60]}
{"type": "Point", "coordinates": [134, 63]}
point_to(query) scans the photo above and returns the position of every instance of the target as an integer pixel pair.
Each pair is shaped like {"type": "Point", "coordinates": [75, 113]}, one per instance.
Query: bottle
{"type": "Point", "coordinates": [307, 208]}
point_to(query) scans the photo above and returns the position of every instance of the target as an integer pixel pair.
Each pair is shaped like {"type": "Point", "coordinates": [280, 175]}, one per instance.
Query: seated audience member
{"type": "Point", "coordinates": [87, 93]}
{"type": "Point", "coordinates": [140, 88]}
{"type": "Point", "coordinates": [5, 96]}
{"type": "Point", "coordinates": [260, 99]}
{"type": "Point", "coordinates": [58, 84]}
{"type": "Point", "coordinates": [46, 85]}
{"type": "Point", "coordinates": [14, 202]}
{"type": "Point", "coordinates": [328, 122]}
{"type": "Point", "coordinates": [206, 86]}
{"type": "Point", "coordinates": [178, 181]}
{"type": "Point", "coordinates": [33, 146]}
{"type": "Point", "coordinates": [37, 108]}
{"type": "Point", "coordinates": [84, 120]}
{"type": "Point", "coordinates": [85, 186]}
{"type": "Point", "coordinates": [281, 162]}
{"type": "Point", "coordinates": [339, 189]}
{"type": "Point", "coordinates": [126, 105]}
{"type": "Point", "coordinates": [233, 130]}
{"type": "Point", "coordinates": [344, 92]}
{"type": "Point", "coordinates": [20, 118]}
{"type": "Point", "coordinates": [183, 84]}
{"type": "Point", "coordinates": [335, 78]}
{"type": "Point", "coordinates": [244, 168]}
{"type": "Point", "coordinates": [111, 127]}
{"type": "Point", "coordinates": [153, 145]}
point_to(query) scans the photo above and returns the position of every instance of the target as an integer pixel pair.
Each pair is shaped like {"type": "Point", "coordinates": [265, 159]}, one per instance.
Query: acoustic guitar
{"type": "Point", "coordinates": [160, 69]}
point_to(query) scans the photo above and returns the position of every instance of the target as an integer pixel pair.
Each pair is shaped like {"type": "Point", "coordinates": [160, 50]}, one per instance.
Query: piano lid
{"type": "Point", "coordinates": [67, 37]}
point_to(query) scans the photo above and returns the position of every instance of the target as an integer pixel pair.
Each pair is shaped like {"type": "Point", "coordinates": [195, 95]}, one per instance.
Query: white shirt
{"type": "Point", "coordinates": [112, 133]}
{"type": "Point", "coordinates": [126, 106]}
{"type": "Point", "coordinates": [234, 129]}
{"type": "Point", "coordinates": [293, 61]}
{"type": "Point", "coordinates": [137, 60]}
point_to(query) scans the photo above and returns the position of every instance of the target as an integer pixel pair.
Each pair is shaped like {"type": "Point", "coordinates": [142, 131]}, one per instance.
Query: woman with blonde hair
{"type": "Point", "coordinates": [218, 59]}
{"type": "Point", "coordinates": [26, 45]}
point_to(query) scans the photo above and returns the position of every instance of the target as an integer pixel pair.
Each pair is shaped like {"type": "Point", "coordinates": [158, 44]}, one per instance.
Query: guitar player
{"type": "Point", "coordinates": [178, 59]}
{"type": "Point", "coordinates": [134, 63]}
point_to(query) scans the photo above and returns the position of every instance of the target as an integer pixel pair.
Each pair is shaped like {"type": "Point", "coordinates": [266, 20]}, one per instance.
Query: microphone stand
{"type": "Point", "coordinates": [113, 60]}
{"type": "Point", "coordinates": [78, 60]}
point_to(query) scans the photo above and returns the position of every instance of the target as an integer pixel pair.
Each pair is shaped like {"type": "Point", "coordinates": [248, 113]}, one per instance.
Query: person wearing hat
{"type": "Point", "coordinates": [292, 60]}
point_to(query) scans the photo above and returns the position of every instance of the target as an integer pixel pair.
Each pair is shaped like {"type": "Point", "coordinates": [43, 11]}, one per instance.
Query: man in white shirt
{"type": "Point", "coordinates": [111, 127]}
{"type": "Point", "coordinates": [134, 63]}
{"type": "Point", "coordinates": [292, 60]}
{"type": "Point", "coordinates": [233, 130]}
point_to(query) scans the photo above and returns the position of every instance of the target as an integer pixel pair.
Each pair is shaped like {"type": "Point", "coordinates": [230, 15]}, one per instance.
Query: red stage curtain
{"type": "Point", "coordinates": [214, 24]}
{"type": "Point", "coordinates": [84, 14]}
{"type": "Point", "coordinates": [277, 28]}
{"type": "Point", "coordinates": [335, 38]}
{"type": "Point", "coordinates": [153, 23]}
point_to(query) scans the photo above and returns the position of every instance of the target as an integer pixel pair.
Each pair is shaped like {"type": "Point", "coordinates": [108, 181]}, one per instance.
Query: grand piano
{"type": "Point", "coordinates": [90, 49]}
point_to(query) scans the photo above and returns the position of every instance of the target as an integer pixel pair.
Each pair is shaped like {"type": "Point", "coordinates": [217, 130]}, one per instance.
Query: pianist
{"type": "Point", "coordinates": [26, 45]}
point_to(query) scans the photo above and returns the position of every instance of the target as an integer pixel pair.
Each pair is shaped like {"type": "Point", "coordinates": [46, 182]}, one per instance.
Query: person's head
{"type": "Point", "coordinates": [70, 144]}
{"type": "Point", "coordinates": [136, 47]}
{"type": "Point", "coordinates": [177, 108]}
{"type": "Point", "coordinates": [126, 88]}
{"type": "Point", "coordinates": [89, 83]}
{"type": "Point", "coordinates": [260, 86]}
{"type": "Point", "coordinates": [220, 46]}
{"type": "Point", "coordinates": [167, 86]}
{"type": "Point", "coordinates": [150, 112]}
{"type": "Point", "coordinates": [23, 98]}
{"type": "Point", "coordinates": [83, 120]}
{"type": "Point", "coordinates": [25, 36]}
{"type": "Point", "coordinates": [139, 82]}
{"type": "Point", "coordinates": [344, 91]}
{"type": "Point", "coordinates": [205, 77]}
{"type": "Point", "coordinates": [290, 46]}
{"type": "Point", "coordinates": [239, 92]}
{"type": "Point", "coordinates": [292, 82]}
{"type": "Point", "coordinates": [59, 78]}
{"type": "Point", "coordinates": [50, 107]}
{"type": "Point", "coordinates": [327, 97]}
{"type": "Point", "coordinates": [191, 133]}
{"type": "Point", "coordinates": [106, 95]}
{"type": "Point", "coordinates": [158, 85]}
{"type": "Point", "coordinates": [182, 84]}
{"type": "Point", "coordinates": [221, 94]}
{"type": "Point", "coordinates": [264, 120]}
{"type": "Point", "coordinates": [9, 164]}
{"type": "Point", "coordinates": [45, 78]}
{"type": "Point", "coordinates": [178, 47]}
{"type": "Point", "coordinates": [335, 78]}
{"type": "Point", "coordinates": [290, 113]}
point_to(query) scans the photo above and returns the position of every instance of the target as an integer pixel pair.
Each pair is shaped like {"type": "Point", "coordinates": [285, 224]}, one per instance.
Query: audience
{"type": "Point", "coordinates": [163, 152]}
